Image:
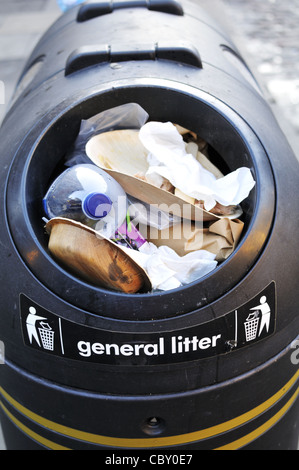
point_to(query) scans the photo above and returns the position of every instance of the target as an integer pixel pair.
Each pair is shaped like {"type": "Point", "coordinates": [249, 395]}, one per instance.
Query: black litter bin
{"type": "Point", "coordinates": [182, 369]}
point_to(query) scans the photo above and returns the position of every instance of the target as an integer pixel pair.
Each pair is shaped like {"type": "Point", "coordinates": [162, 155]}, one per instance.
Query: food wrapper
{"type": "Point", "coordinates": [126, 116]}
{"type": "Point", "coordinates": [220, 238]}
{"type": "Point", "coordinates": [128, 235]}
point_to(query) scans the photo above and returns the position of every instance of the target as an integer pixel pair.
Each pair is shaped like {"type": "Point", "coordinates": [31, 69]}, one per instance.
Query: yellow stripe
{"type": "Point", "coordinates": [49, 444]}
{"type": "Point", "coordinates": [232, 446]}
{"type": "Point", "coordinates": [152, 442]}
{"type": "Point", "coordinates": [262, 429]}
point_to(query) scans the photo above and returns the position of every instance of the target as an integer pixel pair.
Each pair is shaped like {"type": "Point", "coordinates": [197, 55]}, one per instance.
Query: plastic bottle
{"type": "Point", "coordinates": [65, 5]}
{"type": "Point", "coordinates": [89, 195]}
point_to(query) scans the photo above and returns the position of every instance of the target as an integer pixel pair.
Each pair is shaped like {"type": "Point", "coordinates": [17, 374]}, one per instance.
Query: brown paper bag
{"type": "Point", "coordinates": [220, 238]}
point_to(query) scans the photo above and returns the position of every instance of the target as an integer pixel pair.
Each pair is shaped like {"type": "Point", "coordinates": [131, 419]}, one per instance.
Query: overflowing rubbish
{"type": "Point", "coordinates": [141, 207]}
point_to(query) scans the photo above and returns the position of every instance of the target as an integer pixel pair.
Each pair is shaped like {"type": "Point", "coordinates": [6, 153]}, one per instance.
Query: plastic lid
{"type": "Point", "coordinates": [97, 205]}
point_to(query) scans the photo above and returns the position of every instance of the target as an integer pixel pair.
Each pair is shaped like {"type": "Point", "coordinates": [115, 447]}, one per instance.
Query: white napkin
{"type": "Point", "coordinates": [167, 270]}
{"type": "Point", "coordinates": [168, 159]}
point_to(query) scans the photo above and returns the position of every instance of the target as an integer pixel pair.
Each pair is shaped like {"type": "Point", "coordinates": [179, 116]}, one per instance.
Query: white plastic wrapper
{"type": "Point", "coordinates": [168, 159]}
{"type": "Point", "coordinates": [126, 116]}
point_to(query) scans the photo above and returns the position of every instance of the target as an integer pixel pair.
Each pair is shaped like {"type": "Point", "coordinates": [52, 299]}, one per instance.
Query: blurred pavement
{"type": "Point", "coordinates": [267, 35]}
{"type": "Point", "coordinates": [266, 32]}
{"type": "Point", "coordinates": [22, 22]}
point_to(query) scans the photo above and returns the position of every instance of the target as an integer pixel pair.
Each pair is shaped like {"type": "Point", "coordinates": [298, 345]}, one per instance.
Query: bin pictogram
{"type": "Point", "coordinates": [47, 336]}
{"type": "Point", "coordinates": [251, 326]}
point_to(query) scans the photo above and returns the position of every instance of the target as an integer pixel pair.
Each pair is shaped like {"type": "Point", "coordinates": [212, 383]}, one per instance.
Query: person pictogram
{"type": "Point", "coordinates": [265, 310]}
{"type": "Point", "coordinates": [31, 320]}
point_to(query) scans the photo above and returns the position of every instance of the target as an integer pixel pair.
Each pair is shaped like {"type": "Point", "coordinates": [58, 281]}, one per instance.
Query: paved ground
{"type": "Point", "coordinates": [268, 34]}
{"type": "Point", "coordinates": [266, 30]}
{"type": "Point", "coordinates": [22, 22]}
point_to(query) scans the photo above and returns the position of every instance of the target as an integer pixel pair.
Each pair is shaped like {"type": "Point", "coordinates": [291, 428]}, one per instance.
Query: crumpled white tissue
{"type": "Point", "coordinates": [168, 159]}
{"type": "Point", "coordinates": [167, 270]}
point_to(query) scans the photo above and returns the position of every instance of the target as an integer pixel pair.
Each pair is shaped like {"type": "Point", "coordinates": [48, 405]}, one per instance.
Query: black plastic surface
{"type": "Point", "coordinates": [92, 10]}
{"type": "Point", "coordinates": [89, 56]}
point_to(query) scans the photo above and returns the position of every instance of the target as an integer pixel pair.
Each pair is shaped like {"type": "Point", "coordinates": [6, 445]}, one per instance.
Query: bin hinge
{"type": "Point", "coordinates": [87, 56]}
{"type": "Point", "coordinates": [95, 9]}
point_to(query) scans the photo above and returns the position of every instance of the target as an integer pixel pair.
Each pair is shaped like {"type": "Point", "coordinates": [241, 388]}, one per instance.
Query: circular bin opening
{"type": "Point", "coordinates": [232, 145]}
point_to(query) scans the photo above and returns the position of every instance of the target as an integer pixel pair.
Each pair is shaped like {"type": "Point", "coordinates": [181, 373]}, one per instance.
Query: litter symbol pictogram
{"type": "Point", "coordinates": [47, 336]}
{"type": "Point", "coordinates": [251, 326]}
{"type": "Point", "coordinates": [39, 330]}
{"type": "Point", "coordinates": [257, 321]}
{"type": "Point", "coordinates": [31, 321]}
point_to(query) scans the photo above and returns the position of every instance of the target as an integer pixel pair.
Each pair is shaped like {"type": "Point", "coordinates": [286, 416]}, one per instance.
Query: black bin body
{"type": "Point", "coordinates": [176, 370]}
